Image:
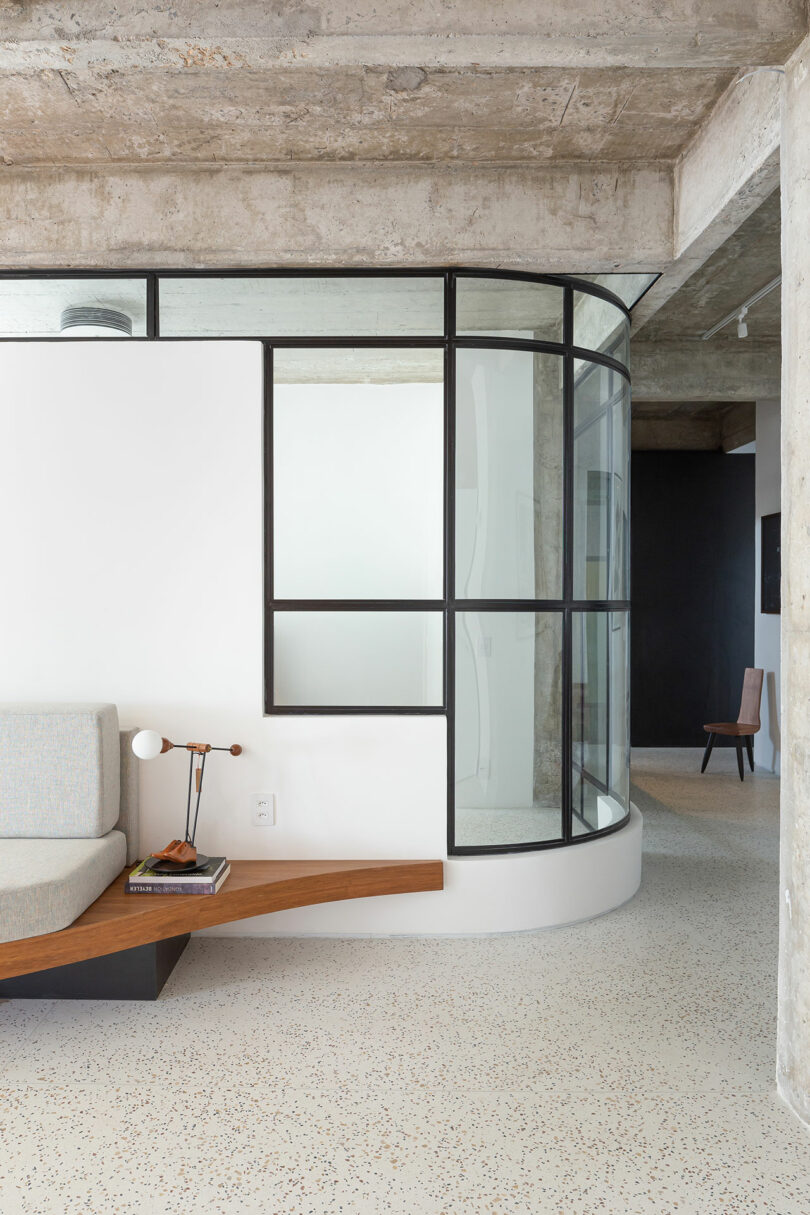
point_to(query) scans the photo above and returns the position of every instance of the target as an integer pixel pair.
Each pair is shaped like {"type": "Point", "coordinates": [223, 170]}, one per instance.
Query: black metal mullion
{"type": "Point", "coordinates": [269, 532]}
{"type": "Point", "coordinates": [450, 548]}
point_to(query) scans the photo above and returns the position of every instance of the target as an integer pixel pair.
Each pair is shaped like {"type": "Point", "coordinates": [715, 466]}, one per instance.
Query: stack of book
{"type": "Point", "coordinates": [143, 880]}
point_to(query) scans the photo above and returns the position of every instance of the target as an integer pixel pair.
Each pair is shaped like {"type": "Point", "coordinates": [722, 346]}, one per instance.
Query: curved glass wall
{"type": "Point", "coordinates": [541, 550]}
{"type": "Point", "coordinates": [446, 459]}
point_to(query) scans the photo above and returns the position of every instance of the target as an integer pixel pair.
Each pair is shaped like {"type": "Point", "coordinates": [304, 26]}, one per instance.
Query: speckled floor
{"type": "Point", "coordinates": [621, 1066]}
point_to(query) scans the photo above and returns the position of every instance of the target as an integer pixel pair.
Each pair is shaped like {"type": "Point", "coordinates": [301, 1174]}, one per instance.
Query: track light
{"type": "Point", "coordinates": [742, 328]}
{"type": "Point", "coordinates": [741, 311]}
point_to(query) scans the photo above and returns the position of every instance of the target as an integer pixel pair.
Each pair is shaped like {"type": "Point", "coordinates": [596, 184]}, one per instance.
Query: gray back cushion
{"type": "Point", "coordinates": [59, 770]}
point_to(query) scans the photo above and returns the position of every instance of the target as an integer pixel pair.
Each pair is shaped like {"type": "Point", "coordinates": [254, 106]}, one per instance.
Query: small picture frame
{"type": "Point", "coordinates": [771, 565]}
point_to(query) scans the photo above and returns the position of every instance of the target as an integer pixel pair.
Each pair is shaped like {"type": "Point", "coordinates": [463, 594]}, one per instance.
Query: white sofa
{"type": "Point", "coordinates": [68, 812]}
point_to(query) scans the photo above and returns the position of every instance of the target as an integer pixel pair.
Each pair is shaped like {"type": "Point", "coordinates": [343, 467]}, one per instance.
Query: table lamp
{"type": "Point", "coordinates": [180, 854]}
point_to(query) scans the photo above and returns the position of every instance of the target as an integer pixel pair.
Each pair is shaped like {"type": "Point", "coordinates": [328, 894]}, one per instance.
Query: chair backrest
{"type": "Point", "coordinates": [751, 697]}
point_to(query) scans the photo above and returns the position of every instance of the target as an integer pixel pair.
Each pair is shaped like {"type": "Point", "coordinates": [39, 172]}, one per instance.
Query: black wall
{"type": "Point", "coordinates": [692, 532]}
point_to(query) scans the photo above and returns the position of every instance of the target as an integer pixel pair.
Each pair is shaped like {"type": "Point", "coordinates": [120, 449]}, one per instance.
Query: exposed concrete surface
{"type": "Point", "coordinates": [793, 1061]}
{"type": "Point", "coordinates": [704, 371]}
{"type": "Point", "coordinates": [722, 178]}
{"type": "Point", "coordinates": [409, 113]}
{"type": "Point", "coordinates": [554, 218]}
{"type": "Point", "coordinates": [251, 34]}
{"type": "Point", "coordinates": [692, 426]}
{"type": "Point", "coordinates": [746, 261]}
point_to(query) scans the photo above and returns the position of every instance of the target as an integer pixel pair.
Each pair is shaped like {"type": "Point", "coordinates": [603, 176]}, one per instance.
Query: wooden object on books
{"type": "Point", "coordinates": [121, 921]}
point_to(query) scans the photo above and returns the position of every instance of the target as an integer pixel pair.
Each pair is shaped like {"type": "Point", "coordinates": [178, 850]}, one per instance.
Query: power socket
{"type": "Point", "coordinates": [263, 809]}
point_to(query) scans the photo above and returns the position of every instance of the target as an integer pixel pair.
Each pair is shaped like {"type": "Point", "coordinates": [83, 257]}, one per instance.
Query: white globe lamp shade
{"type": "Point", "coordinates": [147, 744]}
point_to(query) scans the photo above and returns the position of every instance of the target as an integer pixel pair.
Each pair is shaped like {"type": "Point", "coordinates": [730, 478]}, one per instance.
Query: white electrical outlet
{"type": "Point", "coordinates": [263, 809]}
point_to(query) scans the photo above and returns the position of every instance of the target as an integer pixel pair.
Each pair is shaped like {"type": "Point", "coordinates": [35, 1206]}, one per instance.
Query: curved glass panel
{"type": "Point", "coordinates": [509, 308]}
{"type": "Point", "coordinates": [508, 752]}
{"type": "Point", "coordinates": [601, 483]}
{"type": "Point", "coordinates": [509, 474]}
{"type": "Point", "coordinates": [601, 326]}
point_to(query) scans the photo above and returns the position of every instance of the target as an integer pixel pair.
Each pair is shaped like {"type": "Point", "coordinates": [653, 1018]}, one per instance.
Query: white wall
{"type": "Point", "coordinates": [131, 555]}
{"type": "Point", "coordinates": [767, 628]}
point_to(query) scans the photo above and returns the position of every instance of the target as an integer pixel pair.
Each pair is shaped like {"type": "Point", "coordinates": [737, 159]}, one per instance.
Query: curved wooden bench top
{"type": "Point", "coordinates": [120, 921]}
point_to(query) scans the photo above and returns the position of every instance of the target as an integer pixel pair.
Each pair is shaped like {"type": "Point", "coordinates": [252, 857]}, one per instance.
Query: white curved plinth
{"type": "Point", "coordinates": [511, 892]}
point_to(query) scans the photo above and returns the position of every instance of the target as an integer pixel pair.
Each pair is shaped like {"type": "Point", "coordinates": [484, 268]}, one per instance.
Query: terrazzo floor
{"type": "Point", "coordinates": [624, 1065]}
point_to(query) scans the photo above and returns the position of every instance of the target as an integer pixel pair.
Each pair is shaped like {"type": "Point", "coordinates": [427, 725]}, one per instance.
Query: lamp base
{"type": "Point", "coordinates": [167, 867]}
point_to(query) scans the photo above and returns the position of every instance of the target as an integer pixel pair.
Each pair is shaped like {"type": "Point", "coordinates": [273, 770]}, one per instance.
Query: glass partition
{"type": "Point", "coordinates": [358, 474]}
{"type": "Point", "coordinates": [509, 474]}
{"type": "Point", "coordinates": [302, 306]}
{"type": "Point", "coordinates": [446, 459]}
{"type": "Point", "coordinates": [513, 308]}
{"type": "Point", "coordinates": [508, 728]}
{"type": "Point", "coordinates": [73, 307]}
{"type": "Point", "coordinates": [345, 658]}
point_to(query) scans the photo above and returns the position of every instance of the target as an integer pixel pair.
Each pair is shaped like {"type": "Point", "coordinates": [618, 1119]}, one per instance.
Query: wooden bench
{"type": "Point", "coordinates": [124, 946]}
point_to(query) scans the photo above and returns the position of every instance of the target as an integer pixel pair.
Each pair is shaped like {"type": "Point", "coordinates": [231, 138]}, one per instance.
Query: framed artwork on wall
{"type": "Point", "coordinates": [770, 592]}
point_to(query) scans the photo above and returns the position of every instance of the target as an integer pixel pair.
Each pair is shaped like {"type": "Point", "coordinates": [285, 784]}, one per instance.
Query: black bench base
{"type": "Point", "coordinates": [130, 974]}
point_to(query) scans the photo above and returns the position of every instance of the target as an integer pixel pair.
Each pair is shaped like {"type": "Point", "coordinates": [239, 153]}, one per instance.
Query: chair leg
{"type": "Point", "coordinates": [749, 742]}
{"type": "Point", "coordinates": [707, 753]}
{"type": "Point", "coordinates": [738, 744]}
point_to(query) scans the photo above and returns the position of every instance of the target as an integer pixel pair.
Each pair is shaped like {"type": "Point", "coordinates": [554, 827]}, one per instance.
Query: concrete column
{"type": "Point", "coordinates": [767, 628]}
{"type": "Point", "coordinates": [793, 1053]}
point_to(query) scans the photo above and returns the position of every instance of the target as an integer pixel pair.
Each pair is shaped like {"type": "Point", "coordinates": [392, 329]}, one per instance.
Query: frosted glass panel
{"type": "Point", "coordinates": [357, 658]}
{"type": "Point", "coordinates": [508, 727]}
{"type": "Point", "coordinates": [509, 475]}
{"type": "Point", "coordinates": [326, 306]}
{"type": "Point", "coordinates": [358, 474]}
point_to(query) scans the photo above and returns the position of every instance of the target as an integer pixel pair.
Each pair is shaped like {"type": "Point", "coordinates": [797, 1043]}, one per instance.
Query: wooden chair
{"type": "Point", "coordinates": [746, 725]}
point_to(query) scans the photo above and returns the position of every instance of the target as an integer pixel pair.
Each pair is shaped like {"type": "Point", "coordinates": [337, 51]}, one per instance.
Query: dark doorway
{"type": "Point", "coordinates": [692, 562]}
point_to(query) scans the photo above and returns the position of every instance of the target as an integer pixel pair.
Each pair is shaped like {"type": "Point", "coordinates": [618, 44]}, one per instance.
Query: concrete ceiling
{"type": "Point", "coordinates": [203, 115]}
{"type": "Point", "coordinates": [460, 81]}
{"type": "Point", "coordinates": [748, 260]}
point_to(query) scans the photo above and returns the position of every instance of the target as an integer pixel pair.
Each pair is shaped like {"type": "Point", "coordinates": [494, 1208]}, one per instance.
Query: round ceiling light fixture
{"type": "Point", "coordinates": [92, 321]}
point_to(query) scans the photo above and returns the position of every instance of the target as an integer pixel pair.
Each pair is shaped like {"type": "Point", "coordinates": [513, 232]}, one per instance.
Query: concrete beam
{"type": "Point", "coordinates": [204, 33]}
{"type": "Point", "coordinates": [563, 219]}
{"type": "Point", "coordinates": [705, 371]}
{"type": "Point", "coordinates": [674, 426]}
{"type": "Point", "coordinates": [728, 171]}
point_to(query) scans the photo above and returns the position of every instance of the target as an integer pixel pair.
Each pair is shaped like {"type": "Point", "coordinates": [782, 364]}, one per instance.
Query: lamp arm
{"type": "Point", "coordinates": [188, 796]}
{"type": "Point", "coordinates": [199, 792]}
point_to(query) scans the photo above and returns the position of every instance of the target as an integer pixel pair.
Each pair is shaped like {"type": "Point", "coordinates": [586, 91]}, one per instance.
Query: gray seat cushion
{"type": "Point", "coordinates": [46, 884]}
{"type": "Point", "coordinates": [59, 770]}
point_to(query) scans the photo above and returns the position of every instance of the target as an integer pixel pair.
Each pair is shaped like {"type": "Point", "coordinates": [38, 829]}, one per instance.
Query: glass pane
{"type": "Point", "coordinates": [73, 307]}
{"type": "Point", "coordinates": [620, 514]}
{"type": "Point", "coordinates": [358, 474]}
{"type": "Point", "coordinates": [326, 306]}
{"type": "Point", "coordinates": [509, 474]}
{"type": "Point", "coordinates": [509, 308]}
{"type": "Point", "coordinates": [589, 698]}
{"type": "Point", "coordinates": [508, 753]}
{"type": "Point", "coordinates": [591, 503]}
{"type": "Point", "coordinates": [357, 658]}
{"type": "Point", "coordinates": [601, 326]}
{"type": "Point", "coordinates": [620, 707]}
{"type": "Point", "coordinates": [628, 287]}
